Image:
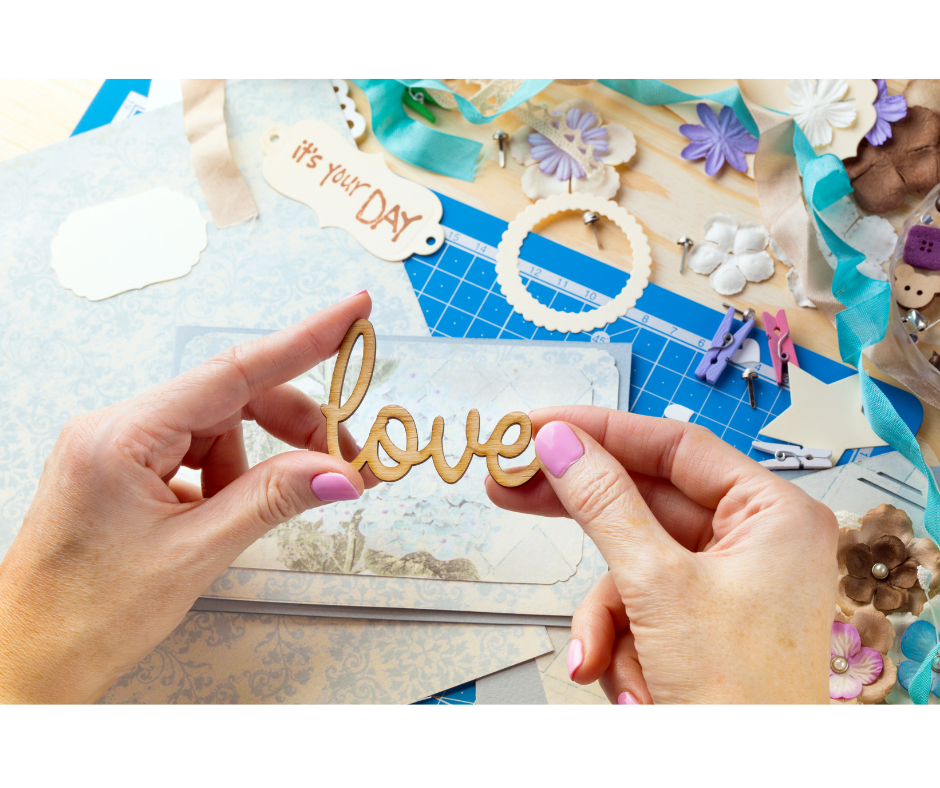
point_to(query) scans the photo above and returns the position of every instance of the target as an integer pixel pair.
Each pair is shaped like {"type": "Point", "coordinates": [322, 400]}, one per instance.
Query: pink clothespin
{"type": "Point", "coordinates": [779, 343]}
{"type": "Point", "coordinates": [724, 345]}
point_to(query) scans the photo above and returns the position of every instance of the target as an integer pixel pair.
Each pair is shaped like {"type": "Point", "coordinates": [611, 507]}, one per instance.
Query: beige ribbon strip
{"type": "Point", "coordinates": [222, 183]}
{"type": "Point", "coordinates": [780, 193]}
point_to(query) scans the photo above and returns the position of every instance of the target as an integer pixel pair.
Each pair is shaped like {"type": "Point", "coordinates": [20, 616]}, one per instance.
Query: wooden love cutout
{"type": "Point", "coordinates": [390, 216]}
{"type": "Point", "coordinates": [337, 412]}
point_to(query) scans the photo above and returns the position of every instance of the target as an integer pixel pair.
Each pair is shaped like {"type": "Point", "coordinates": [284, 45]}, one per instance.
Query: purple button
{"type": "Point", "coordinates": [922, 248]}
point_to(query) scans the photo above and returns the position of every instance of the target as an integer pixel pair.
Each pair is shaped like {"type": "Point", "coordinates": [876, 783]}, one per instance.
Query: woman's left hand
{"type": "Point", "coordinates": [114, 551]}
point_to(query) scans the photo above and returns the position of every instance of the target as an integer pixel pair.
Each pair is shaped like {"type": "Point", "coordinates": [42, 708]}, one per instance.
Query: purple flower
{"type": "Point", "coordinates": [851, 664]}
{"type": "Point", "coordinates": [553, 160]}
{"type": "Point", "coordinates": [889, 109]}
{"type": "Point", "coordinates": [718, 139]}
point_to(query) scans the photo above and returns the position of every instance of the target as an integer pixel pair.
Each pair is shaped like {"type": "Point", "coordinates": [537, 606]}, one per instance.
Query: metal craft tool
{"type": "Point", "coordinates": [501, 137]}
{"type": "Point", "coordinates": [724, 345]}
{"type": "Point", "coordinates": [686, 243]}
{"type": "Point", "coordinates": [749, 375]}
{"type": "Point", "coordinates": [591, 218]}
{"type": "Point", "coordinates": [779, 343]}
{"type": "Point", "coordinates": [793, 458]}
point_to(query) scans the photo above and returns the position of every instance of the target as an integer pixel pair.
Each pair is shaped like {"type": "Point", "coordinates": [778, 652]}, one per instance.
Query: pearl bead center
{"type": "Point", "coordinates": [935, 665]}
{"type": "Point", "coordinates": [879, 571]}
{"type": "Point", "coordinates": [839, 664]}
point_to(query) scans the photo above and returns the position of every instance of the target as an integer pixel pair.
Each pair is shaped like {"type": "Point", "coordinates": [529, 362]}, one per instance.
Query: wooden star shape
{"type": "Point", "coordinates": [824, 416]}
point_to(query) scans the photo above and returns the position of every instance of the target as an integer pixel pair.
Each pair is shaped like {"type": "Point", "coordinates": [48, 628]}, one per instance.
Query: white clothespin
{"type": "Point", "coordinates": [793, 458]}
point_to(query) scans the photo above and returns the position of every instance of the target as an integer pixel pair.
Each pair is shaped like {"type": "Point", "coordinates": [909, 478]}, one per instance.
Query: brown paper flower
{"type": "Point", "coordinates": [909, 161]}
{"type": "Point", "coordinates": [878, 564]}
{"type": "Point", "coordinates": [877, 633]}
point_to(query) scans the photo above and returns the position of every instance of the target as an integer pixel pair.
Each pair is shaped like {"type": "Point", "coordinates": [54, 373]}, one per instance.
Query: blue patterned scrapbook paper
{"type": "Point", "coordinates": [61, 355]}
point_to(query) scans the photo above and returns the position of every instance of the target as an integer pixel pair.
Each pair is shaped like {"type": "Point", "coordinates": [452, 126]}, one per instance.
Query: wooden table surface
{"type": "Point", "coordinates": [669, 196]}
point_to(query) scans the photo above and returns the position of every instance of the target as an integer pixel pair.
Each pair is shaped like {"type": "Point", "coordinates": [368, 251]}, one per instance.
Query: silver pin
{"type": "Point", "coordinates": [591, 219]}
{"type": "Point", "coordinates": [501, 137]}
{"type": "Point", "coordinates": [686, 243]}
{"type": "Point", "coordinates": [749, 375]}
{"type": "Point", "coordinates": [926, 219]}
{"type": "Point", "coordinates": [747, 314]}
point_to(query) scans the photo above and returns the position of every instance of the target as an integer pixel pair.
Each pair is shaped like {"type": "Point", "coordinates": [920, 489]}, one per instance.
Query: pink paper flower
{"type": "Point", "coordinates": [851, 665]}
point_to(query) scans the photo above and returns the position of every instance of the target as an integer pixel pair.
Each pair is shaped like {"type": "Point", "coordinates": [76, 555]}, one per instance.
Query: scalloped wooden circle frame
{"type": "Point", "coordinates": [510, 280]}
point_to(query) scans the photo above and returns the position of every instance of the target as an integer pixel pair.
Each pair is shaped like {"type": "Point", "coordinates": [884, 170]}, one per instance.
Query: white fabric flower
{"type": "Point", "coordinates": [817, 107]}
{"type": "Point", "coordinates": [620, 148]}
{"type": "Point", "coordinates": [732, 255]}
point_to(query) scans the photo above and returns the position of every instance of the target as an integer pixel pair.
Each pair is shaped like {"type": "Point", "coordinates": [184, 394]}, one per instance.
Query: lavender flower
{"type": "Point", "coordinates": [889, 109]}
{"type": "Point", "coordinates": [553, 160]}
{"type": "Point", "coordinates": [718, 139]}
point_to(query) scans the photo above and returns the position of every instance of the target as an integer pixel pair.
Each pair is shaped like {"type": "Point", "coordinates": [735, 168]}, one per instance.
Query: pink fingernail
{"type": "Point", "coordinates": [575, 656]}
{"type": "Point", "coordinates": [333, 487]}
{"type": "Point", "coordinates": [626, 699]}
{"type": "Point", "coordinates": [353, 295]}
{"type": "Point", "coordinates": [558, 447]}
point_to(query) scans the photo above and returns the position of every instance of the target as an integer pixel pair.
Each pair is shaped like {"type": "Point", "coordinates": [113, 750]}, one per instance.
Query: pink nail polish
{"type": "Point", "coordinates": [333, 487]}
{"type": "Point", "coordinates": [575, 656]}
{"type": "Point", "coordinates": [353, 295]}
{"type": "Point", "coordinates": [626, 699]}
{"type": "Point", "coordinates": [558, 447]}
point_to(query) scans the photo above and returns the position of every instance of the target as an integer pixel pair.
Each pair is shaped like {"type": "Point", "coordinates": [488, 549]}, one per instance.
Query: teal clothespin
{"type": "Point", "coordinates": [415, 98]}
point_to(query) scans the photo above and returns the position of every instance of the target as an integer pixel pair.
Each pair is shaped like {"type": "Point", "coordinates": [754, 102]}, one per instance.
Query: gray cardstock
{"type": "Point", "coordinates": [221, 605]}
{"type": "Point", "coordinates": [519, 685]}
{"type": "Point", "coordinates": [861, 486]}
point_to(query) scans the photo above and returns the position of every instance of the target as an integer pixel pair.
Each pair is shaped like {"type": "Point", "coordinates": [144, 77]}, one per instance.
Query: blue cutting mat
{"type": "Point", "coordinates": [457, 289]}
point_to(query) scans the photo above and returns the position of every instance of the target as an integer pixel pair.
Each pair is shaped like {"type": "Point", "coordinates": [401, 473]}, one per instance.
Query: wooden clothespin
{"type": "Point", "coordinates": [793, 458]}
{"type": "Point", "coordinates": [724, 345]}
{"type": "Point", "coordinates": [779, 343]}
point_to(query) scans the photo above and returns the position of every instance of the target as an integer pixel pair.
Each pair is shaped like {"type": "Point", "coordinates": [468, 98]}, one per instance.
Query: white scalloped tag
{"type": "Point", "coordinates": [390, 216]}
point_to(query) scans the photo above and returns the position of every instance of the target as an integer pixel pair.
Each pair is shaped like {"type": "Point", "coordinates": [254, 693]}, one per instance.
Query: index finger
{"type": "Point", "coordinates": [213, 391]}
{"type": "Point", "coordinates": [695, 460]}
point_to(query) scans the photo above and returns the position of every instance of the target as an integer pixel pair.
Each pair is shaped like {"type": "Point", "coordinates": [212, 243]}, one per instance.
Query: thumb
{"type": "Point", "coordinates": [273, 492]}
{"type": "Point", "coordinates": [601, 497]}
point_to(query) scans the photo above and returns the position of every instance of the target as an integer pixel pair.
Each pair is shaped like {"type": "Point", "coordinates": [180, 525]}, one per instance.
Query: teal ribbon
{"type": "Point", "coordinates": [654, 93]}
{"type": "Point", "coordinates": [421, 145]}
{"type": "Point", "coordinates": [867, 302]}
{"type": "Point", "coordinates": [919, 688]}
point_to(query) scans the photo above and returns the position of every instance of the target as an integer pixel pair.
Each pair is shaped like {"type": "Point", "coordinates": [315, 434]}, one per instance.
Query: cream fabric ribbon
{"type": "Point", "coordinates": [780, 193]}
{"type": "Point", "coordinates": [223, 185]}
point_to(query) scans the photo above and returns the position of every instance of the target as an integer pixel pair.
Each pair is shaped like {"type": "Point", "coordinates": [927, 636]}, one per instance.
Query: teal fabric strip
{"type": "Point", "coordinates": [654, 92]}
{"type": "Point", "coordinates": [414, 142]}
{"type": "Point", "coordinates": [919, 688]}
{"type": "Point", "coordinates": [421, 145]}
{"type": "Point", "coordinates": [525, 91]}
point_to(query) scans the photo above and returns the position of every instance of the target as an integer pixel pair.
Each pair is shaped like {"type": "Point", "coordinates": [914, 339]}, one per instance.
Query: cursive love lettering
{"type": "Point", "coordinates": [336, 412]}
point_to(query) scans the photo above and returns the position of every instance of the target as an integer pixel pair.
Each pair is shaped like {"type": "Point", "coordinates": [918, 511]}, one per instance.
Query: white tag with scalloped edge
{"type": "Point", "coordinates": [390, 216]}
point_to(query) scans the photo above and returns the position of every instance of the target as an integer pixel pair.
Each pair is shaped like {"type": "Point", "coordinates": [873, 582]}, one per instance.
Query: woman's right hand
{"type": "Point", "coordinates": [722, 576]}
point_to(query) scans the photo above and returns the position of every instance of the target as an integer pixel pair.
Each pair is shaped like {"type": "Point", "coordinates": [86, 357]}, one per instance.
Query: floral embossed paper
{"type": "Point", "coordinates": [421, 526]}
{"type": "Point", "coordinates": [249, 658]}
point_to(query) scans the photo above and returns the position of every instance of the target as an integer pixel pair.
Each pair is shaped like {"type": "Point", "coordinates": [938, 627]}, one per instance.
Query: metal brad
{"type": "Point", "coordinates": [779, 343]}
{"type": "Point", "coordinates": [724, 345]}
